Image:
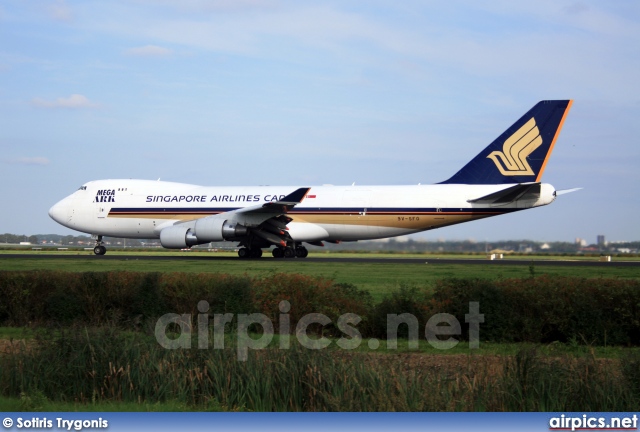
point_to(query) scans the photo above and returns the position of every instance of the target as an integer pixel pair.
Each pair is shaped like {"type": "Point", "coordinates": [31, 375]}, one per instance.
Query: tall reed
{"type": "Point", "coordinates": [105, 364]}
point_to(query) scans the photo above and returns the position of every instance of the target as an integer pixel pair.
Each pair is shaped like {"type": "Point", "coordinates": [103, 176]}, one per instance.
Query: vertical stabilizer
{"type": "Point", "coordinates": [521, 153]}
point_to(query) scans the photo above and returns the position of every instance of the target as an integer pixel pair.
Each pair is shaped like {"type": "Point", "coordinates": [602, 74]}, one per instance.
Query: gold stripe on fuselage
{"type": "Point", "coordinates": [412, 221]}
{"type": "Point", "coordinates": [396, 220]}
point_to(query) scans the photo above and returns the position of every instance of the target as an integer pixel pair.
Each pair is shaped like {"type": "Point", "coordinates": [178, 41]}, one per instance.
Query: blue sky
{"type": "Point", "coordinates": [248, 92]}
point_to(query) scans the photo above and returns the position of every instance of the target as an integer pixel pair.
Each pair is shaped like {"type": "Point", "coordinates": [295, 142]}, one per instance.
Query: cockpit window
{"type": "Point", "coordinates": [82, 188]}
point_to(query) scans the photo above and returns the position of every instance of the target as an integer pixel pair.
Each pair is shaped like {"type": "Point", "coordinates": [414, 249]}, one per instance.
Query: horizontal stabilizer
{"type": "Point", "coordinates": [510, 194]}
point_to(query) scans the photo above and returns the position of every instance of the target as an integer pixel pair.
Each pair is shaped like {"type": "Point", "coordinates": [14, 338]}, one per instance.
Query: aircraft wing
{"type": "Point", "coordinates": [510, 194]}
{"type": "Point", "coordinates": [268, 221]}
{"type": "Point", "coordinates": [276, 207]}
{"type": "Point", "coordinates": [256, 215]}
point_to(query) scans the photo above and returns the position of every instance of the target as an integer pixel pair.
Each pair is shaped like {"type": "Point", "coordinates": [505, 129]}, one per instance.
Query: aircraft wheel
{"type": "Point", "coordinates": [301, 252]}
{"type": "Point", "coordinates": [256, 253]}
{"type": "Point", "coordinates": [277, 252]}
{"type": "Point", "coordinates": [243, 252]}
{"type": "Point", "coordinates": [99, 250]}
{"type": "Point", "coordinates": [289, 252]}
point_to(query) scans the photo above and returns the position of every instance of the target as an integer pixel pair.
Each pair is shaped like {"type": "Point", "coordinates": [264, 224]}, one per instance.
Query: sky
{"type": "Point", "coordinates": [252, 92]}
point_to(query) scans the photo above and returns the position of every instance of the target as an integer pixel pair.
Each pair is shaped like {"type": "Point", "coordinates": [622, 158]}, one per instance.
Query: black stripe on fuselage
{"type": "Point", "coordinates": [314, 211]}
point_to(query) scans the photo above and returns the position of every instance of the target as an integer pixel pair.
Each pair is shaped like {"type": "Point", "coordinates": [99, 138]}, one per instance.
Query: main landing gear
{"type": "Point", "coordinates": [290, 252]}
{"type": "Point", "coordinates": [249, 253]}
{"type": "Point", "coordinates": [99, 249]}
{"type": "Point", "coordinates": [278, 252]}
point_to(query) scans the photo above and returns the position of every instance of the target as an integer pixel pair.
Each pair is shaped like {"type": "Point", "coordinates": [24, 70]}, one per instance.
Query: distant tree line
{"type": "Point", "coordinates": [468, 246]}
{"type": "Point", "coordinates": [68, 240]}
{"type": "Point", "coordinates": [15, 239]}
{"type": "Point", "coordinates": [390, 245]}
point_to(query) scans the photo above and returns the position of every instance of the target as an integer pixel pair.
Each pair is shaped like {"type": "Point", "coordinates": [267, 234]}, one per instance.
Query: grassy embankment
{"type": "Point", "coordinates": [498, 376]}
{"type": "Point", "coordinates": [378, 279]}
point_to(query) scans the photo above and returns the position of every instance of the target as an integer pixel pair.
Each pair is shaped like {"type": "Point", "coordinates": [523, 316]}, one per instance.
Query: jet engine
{"type": "Point", "coordinates": [178, 237]}
{"type": "Point", "coordinates": [205, 230]}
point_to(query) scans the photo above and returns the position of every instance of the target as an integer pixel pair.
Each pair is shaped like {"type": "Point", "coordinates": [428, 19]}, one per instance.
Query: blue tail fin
{"type": "Point", "coordinates": [521, 153]}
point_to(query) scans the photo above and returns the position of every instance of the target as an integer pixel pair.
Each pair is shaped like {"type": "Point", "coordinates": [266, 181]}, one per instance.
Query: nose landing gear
{"type": "Point", "coordinates": [99, 249]}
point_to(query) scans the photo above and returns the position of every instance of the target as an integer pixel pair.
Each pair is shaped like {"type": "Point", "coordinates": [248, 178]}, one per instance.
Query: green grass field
{"type": "Point", "coordinates": [314, 252]}
{"type": "Point", "coordinates": [379, 279]}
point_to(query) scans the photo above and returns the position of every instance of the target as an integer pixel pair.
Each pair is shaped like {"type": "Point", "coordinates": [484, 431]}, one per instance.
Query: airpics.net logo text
{"type": "Point", "coordinates": [586, 422]}
{"type": "Point", "coordinates": [436, 329]}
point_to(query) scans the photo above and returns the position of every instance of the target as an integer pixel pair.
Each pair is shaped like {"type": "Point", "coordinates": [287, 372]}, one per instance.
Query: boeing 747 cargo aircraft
{"type": "Point", "coordinates": [505, 177]}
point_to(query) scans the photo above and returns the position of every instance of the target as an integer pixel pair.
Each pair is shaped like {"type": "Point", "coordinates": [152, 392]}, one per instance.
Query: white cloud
{"type": "Point", "coordinates": [214, 6]}
{"type": "Point", "coordinates": [60, 11]}
{"type": "Point", "coordinates": [149, 51]}
{"type": "Point", "coordinates": [28, 161]}
{"type": "Point", "coordinates": [75, 101]}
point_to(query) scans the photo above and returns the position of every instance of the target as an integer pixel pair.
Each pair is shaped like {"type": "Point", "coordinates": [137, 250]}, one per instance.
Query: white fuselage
{"type": "Point", "coordinates": [142, 208]}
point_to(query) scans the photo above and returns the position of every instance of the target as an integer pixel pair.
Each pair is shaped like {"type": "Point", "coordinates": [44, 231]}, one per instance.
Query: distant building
{"type": "Point", "coordinates": [588, 249]}
{"type": "Point", "coordinates": [525, 248]}
{"type": "Point", "coordinates": [581, 242]}
{"type": "Point", "coordinates": [601, 240]}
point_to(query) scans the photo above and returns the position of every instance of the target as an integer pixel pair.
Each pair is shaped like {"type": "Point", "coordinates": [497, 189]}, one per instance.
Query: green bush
{"type": "Point", "coordinates": [224, 293]}
{"type": "Point", "coordinates": [545, 309]}
{"type": "Point", "coordinates": [406, 299]}
{"type": "Point", "coordinates": [306, 295]}
{"type": "Point", "coordinates": [534, 309]}
{"type": "Point", "coordinates": [64, 307]}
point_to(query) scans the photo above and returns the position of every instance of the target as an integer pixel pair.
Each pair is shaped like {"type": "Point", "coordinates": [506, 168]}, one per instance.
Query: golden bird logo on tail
{"type": "Point", "coordinates": [516, 149]}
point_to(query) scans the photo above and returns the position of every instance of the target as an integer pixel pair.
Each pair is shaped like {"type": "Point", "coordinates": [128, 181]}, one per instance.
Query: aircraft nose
{"type": "Point", "coordinates": [59, 212]}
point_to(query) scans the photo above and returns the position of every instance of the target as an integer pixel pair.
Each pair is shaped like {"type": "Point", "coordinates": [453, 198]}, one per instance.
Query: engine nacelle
{"type": "Point", "coordinates": [178, 237]}
{"type": "Point", "coordinates": [211, 229]}
{"type": "Point", "coordinates": [205, 230]}
{"type": "Point", "coordinates": [307, 232]}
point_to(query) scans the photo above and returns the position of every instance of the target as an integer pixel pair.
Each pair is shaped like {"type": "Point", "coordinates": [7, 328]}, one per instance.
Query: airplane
{"type": "Point", "coordinates": [505, 177]}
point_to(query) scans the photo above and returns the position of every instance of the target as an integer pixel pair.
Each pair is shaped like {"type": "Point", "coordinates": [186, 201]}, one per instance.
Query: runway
{"type": "Point", "coordinates": [355, 261]}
